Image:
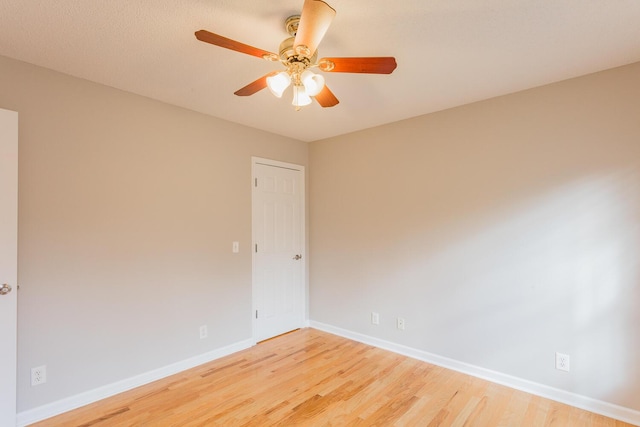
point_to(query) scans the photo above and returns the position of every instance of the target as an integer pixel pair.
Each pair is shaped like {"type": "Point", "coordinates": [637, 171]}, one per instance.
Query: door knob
{"type": "Point", "coordinates": [297, 257]}
{"type": "Point", "coordinates": [5, 289]}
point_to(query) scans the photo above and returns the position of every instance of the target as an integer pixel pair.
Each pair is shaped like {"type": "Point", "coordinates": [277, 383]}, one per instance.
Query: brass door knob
{"type": "Point", "coordinates": [5, 289]}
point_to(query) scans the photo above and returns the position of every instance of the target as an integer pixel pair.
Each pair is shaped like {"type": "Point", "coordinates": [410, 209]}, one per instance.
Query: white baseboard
{"type": "Point", "coordinates": [599, 407]}
{"type": "Point", "coordinates": [55, 408]}
{"type": "Point", "coordinates": [604, 408]}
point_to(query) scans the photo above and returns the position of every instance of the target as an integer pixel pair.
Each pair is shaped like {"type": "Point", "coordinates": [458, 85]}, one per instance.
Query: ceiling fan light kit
{"type": "Point", "coordinates": [278, 83]}
{"type": "Point", "coordinates": [300, 97]}
{"type": "Point", "coordinates": [298, 53]}
{"type": "Point", "coordinates": [313, 83]}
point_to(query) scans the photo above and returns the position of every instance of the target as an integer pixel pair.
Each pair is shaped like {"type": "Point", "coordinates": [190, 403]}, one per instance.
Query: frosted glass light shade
{"type": "Point", "coordinates": [278, 83]}
{"type": "Point", "coordinates": [300, 97]}
{"type": "Point", "coordinates": [313, 83]}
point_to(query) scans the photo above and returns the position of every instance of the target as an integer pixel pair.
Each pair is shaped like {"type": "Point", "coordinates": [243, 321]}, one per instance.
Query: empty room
{"type": "Point", "coordinates": [247, 213]}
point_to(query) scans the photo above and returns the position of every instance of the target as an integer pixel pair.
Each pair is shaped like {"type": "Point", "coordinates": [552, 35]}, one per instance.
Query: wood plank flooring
{"type": "Point", "coordinates": [312, 378]}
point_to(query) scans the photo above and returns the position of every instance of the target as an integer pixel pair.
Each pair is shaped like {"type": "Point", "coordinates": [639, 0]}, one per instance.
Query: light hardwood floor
{"type": "Point", "coordinates": [312, 378]}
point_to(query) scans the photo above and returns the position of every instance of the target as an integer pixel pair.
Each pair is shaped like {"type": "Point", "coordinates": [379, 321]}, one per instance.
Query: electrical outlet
{"type": "Point", "coordinates": [38, 375]}
{"type": "Point", "coordinates": [203, 332]}
{"type": "Point", "coordinates": [375, 318]}
{"type": "Point", "coordinates": [563, 362]}
{"type": "Point", "coordinates": [400, 323]}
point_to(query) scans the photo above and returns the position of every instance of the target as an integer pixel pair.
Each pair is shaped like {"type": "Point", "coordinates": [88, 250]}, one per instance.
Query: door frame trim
{"type": "Point", "coordinates": [10, 259]}
{"type": "Point", "coordinates": [305, 291]}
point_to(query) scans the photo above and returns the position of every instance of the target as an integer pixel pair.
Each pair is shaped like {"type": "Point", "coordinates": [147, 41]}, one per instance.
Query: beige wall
{"type": "Point", "coordinates": [503, 231]}
{"type": "Point", "coordinates": [127, 211]}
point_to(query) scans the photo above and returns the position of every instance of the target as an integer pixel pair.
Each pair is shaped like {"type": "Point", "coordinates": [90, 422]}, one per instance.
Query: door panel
{"type": "Point", "coordinates": [8, 264]}
{"type": "Point", "coordinates": [278, 264]}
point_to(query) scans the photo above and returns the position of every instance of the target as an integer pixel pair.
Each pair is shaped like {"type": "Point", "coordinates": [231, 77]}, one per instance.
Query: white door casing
{"type": "Point", "coordinates": [278, 225]}
{"type": "Point", "coordinates": [8, 264]}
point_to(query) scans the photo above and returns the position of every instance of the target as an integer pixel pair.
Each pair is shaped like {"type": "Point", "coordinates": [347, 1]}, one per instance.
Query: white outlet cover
{"type": "Point", "coordinates": [38, 375]}
{"type": "Point", "coordinates": [563, 362]}
{"type": "Point", "coordinates": [375, 318]}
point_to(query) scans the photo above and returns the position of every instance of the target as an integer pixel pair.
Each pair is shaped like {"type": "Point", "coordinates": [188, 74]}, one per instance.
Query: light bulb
{"type": "Point", "coordinates": [278, 83]}
{"type": "Point", "coordinates": [300, 97]}
{"type": "Point", "coordinates": [313, 83]}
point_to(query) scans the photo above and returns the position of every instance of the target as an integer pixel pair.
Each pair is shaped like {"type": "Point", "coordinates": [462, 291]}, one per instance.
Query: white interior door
{"type": "Point", "coordinates": [8, 264]}
{"type": "Point", "coordinates": [278, 248]}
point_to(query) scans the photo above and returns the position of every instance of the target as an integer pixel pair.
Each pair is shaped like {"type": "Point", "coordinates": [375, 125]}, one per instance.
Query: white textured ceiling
{"type": "Point", "coordinates": [449, 52]}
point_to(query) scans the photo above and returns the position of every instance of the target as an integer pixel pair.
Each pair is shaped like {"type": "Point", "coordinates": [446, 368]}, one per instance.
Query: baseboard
{"type": "Point", "coordinates": [597, 406]}
{"type": "Point", "coordinates": [55, 408]}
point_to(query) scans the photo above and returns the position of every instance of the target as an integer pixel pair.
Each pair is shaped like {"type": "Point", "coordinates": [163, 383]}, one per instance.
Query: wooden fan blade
{"type": "Point", "coordinates": [314, 22]}
{"type": "Point", "coordinates": [253, 87]}
{"type": "Point", "coordinates": [218, 40]}
{"type": "Point", "coordinates": [372, 65]}
{"type": "Point", "coordinates": [326, 98]}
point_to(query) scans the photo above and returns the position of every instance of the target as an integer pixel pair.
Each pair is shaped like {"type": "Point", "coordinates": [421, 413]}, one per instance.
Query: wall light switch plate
{"type": "Point", "coordinates": [236, 247]}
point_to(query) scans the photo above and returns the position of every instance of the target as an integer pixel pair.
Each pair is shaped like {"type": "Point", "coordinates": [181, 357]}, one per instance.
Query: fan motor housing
{"type": "Point", "coordinates": [288, 53]}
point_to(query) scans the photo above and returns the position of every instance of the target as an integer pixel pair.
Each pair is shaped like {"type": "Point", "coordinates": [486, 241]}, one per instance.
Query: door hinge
{"type": "Point", "coordinates": [255, 182]}
{"type": "Point", "coordinates": [256, 248]}
{"type": "Point", "coordinates": [256, 314]}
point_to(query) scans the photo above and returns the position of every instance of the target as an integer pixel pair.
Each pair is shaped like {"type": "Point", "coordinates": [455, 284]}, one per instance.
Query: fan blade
{"type": "Point", "coordinates": [326, 98]}
{"type": "Point", "coordinates": [254, 87]}
{"type": "Point", "coordinates": [372, 65]}
{"type": "Point", "coordinates": [314, 22]}
{"type": "Point", "coordinates": [218, 40]}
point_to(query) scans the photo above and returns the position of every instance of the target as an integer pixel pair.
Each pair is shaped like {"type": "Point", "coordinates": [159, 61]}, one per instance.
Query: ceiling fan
{"type": "Point", "coordinates": [299, 54]}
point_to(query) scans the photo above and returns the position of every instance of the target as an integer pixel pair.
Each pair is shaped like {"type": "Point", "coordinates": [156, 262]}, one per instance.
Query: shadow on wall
{"type": "Point", "coordinates": [556, 273]}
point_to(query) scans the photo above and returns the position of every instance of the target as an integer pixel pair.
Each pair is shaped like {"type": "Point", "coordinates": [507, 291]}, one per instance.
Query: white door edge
{"type": "Point", "coordinates": [8, 265]}
{"type": "Point", "coordinates": [276, 163]}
